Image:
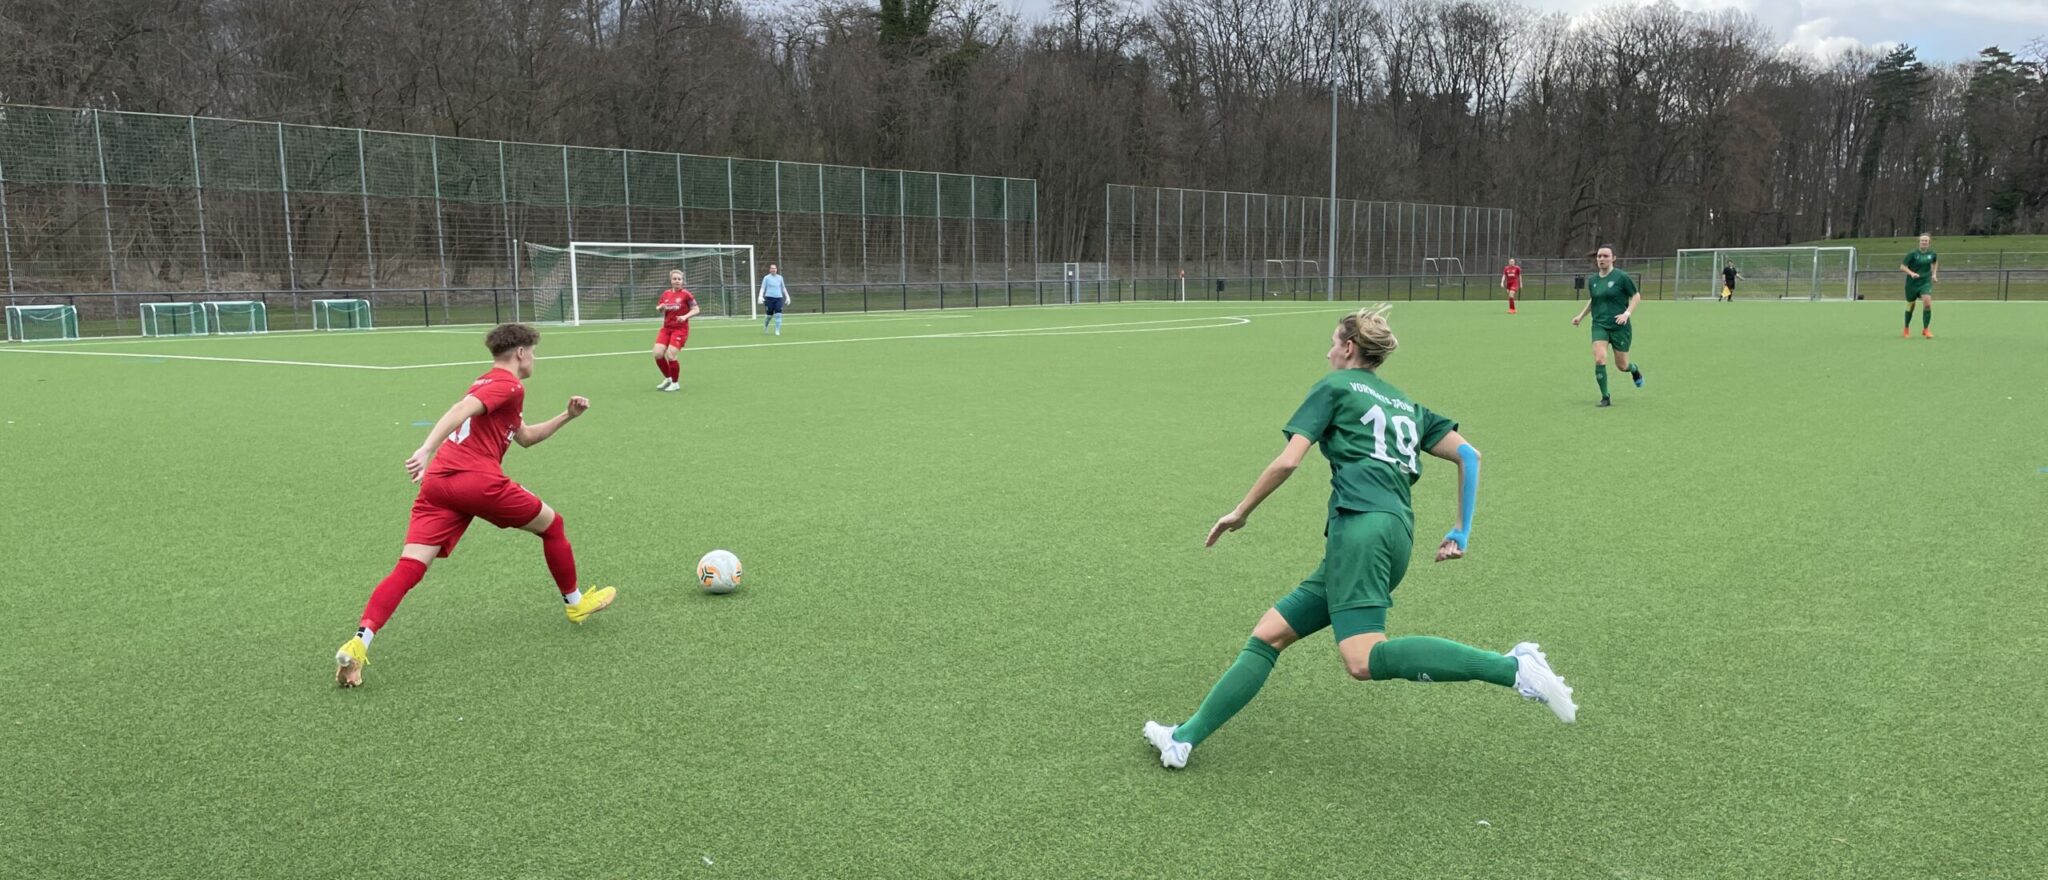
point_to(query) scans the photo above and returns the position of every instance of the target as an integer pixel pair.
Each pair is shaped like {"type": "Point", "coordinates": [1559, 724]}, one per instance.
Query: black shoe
{"type": "Point", "coordinates": [1604, 402]}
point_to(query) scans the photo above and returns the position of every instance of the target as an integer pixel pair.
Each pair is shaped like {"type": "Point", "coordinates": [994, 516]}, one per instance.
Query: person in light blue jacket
{"type": "Point", "coordinates": [774, 297]}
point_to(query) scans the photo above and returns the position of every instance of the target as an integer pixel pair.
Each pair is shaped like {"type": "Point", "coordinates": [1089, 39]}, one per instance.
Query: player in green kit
{"type": "Point", "coordinates": [1922, 267]}
{"type": "Point", "coordinates": [1612, 297]}
{"type": "Point", "coordinates": [1374, 437]}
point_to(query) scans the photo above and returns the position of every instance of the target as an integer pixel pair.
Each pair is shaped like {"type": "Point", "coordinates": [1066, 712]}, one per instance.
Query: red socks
{"type": "Point", "coordinates": [661, 363]}
{"type": "Point", "coordinates": [407, 573]}
{"type": "Point", "coordinates": [391, 590]}
{"type": "Point", "coordinates": [561, 558]}
{"type": "Point", "coordinates": [668, 368]}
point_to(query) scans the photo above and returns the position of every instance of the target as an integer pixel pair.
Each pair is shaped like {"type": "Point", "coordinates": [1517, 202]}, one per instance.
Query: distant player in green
{"type": "Point", "coordinates": [1373, 436]}
{"type": "Point", "coordinates": [1612, 297]}
{"type": "Point", "coordinates": [1922, 267]}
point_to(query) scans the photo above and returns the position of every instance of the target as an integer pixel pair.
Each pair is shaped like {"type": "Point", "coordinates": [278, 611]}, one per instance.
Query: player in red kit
{"type": "Point", "coordinates": [1511, 281]}
{"type": "Point", "coordinates": [677, 307]}
{"type": "Point", "coordinates": [466, 480]}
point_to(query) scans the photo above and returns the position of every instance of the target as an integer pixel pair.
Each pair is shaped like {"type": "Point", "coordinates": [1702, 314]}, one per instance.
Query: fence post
{"type": "Point", "coordinates": [440, 236]}
{"type": "Point", "coordinates": [363, 186]}
{"type": "Point", "coordinates": [6, 238]}
{"type": "Point", "coordinates": [198, 200]}
{"type": "Point", "coordinates": [626, 188]}
{"type": "Point", "coordinates": [863, 239]}
{"type": "Point", "coordinates": [512, 242]}
{"type": "Point", "coordinates": [106, 205]}
{"type": "Point", "coordinates": [284, 182]}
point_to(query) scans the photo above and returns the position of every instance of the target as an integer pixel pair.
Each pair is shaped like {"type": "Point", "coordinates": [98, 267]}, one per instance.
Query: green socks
{"type": "Point", "coordinates": [1235, 689]}
{"type": "Point", "coordinates": [1909, 317]}
{"type": "Point", "coordinates": [1600, 373]}
{"type": "Point", "coordinates": [1415, 658]}
{"type": "Point", "coordinates": [1926, 318]}
{"type": "Point", "coordinates": [1427, 658]}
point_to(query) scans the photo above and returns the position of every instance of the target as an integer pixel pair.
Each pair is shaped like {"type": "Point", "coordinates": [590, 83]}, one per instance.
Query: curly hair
{"type": "Point", "coordinates": [506, 337]}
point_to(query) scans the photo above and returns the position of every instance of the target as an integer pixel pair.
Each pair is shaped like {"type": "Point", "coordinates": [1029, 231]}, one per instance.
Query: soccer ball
{"type": "Point", "coordinates": [719, 572]}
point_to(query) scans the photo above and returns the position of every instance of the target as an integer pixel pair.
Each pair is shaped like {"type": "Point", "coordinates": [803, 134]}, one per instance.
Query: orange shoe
{"type": "Point", "coordinates": [1906, 333]}
{"type": "Point", "coordinates": [1926, 333]}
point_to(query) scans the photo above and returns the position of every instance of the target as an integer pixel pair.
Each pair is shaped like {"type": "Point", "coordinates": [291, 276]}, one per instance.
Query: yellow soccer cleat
{"type": "Point", "coordinates": [349, 662]}
{"type": "Point", "coordinates": [593, 602]}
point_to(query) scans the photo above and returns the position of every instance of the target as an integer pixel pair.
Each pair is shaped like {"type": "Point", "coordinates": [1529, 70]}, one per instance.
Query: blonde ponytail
{"type": "Point", "coordinates": [1367, 331]}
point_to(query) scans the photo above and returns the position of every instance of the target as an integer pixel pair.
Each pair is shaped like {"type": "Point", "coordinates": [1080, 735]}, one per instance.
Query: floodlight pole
{"type": "Point", "coordinates": [1330, 281]}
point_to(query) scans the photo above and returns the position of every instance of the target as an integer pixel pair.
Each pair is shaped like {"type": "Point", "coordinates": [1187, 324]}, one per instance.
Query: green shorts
{"type": "Point", "coordinates": [1912, 294]}
{"type": "Point", "coordinates": [1617, 338]}
{"type": "Point", "coordinates": [1364, 557]}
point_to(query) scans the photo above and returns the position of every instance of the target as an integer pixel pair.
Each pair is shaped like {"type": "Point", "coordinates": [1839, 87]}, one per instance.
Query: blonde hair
{"type": "Point", "coordinates": [1367, 331]}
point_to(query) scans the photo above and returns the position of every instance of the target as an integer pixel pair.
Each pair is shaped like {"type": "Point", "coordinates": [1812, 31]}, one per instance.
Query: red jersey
{"type": "Point", "coordinates": [1512, 277]}
{"type": "Point", "coordinates": [683, 302]}
{"type": "Point", "coordinates": [479, 445]}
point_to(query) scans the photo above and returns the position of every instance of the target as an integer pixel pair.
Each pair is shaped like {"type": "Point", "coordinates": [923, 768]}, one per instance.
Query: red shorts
{"type": "Point", "coordinates": [448, 501]}
{"type": "Point", "coordinates": [673, 337]}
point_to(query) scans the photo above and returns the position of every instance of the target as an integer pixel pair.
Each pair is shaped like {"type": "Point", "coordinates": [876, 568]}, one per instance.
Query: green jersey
{"type": "Point", "coordinates": [1921, 262]}
{"type": "Point", "coordinates": [1374, 437]}
{"type": "Point", "coordinates": [1610, 294]}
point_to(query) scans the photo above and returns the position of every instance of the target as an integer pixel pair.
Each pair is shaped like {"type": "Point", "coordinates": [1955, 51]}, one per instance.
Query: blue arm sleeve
{"type": "Point", "coordinates": [1468, 493]}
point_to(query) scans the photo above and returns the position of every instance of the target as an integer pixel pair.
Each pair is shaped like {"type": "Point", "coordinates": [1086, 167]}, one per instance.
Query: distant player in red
{"type": "Point", "coordinates": [1511, 281]}
{"type": "Point", "coordinates": [466, 480]}
{"type": "Point", "coordinates": [677, 307]}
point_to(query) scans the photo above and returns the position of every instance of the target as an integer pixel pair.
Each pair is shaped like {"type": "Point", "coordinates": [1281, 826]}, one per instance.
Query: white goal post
{"type": "Point", "coordinates": [37, 323]}
{"type": "Point", "coordinates": [229, 317]}
{"type": "Point", "coordinates": [341, 314]}
{"type": "Point", "coordinates": [1769, 273]}
{"type": "Point", "coordinates": [623, 281]}
{"type": "Point", "coordinates": [173, 319]}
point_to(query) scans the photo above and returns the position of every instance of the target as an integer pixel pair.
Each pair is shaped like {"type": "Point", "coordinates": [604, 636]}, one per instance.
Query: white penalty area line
{"type": "Point", "coordinates": [1207, 322]}
{"type": "Point", "coordinates": [1193, 322]}
{"type": "Point", "coordinates": [191, 357]}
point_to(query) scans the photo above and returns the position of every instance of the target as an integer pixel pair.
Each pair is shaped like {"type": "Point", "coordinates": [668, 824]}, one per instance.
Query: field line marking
{"type": "Point", "coordinates": [1237, 320]}
{"type": "Point", "coordinates": [194, 357]}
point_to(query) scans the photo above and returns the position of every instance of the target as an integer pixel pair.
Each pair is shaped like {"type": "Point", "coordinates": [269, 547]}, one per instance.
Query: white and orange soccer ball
{"type": "Point", "coordinates": [719, 572]}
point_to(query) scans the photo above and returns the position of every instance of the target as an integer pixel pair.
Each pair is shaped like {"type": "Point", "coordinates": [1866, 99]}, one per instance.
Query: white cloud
{"type": "Point", "coordinates": [1822, 38]}
{"type": "Point", "coordinates": [1943, 30]}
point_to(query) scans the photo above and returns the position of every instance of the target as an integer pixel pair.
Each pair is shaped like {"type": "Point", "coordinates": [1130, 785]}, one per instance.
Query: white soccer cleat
{"type": "Point", "coordinates": [663, 386]}
{"type": "Point", "coordinates": [1536, 680]}
{"type": "Point", "coordinates": [1172, 755]}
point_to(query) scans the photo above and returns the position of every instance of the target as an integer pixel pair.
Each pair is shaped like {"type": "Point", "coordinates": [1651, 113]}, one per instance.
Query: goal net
{"type": "Point", "coordinates": [341, 314]}
{"type": "Point", "coordinates": [173, 319]}
{"type": "Point", "coordinates": [1768, 273]}
{"type": "Point", "coordinates": [1292, 276]}
{"type": "Point", "coordinates": [610, 281]}
{"type": "Point", "coordinates": [238, 316]}
{"type": "Point", "coordinates": [37, 323]}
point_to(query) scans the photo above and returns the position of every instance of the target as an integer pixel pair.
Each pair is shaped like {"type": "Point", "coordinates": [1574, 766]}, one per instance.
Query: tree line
{"type": "Point", "coordinates": [1652, 128]}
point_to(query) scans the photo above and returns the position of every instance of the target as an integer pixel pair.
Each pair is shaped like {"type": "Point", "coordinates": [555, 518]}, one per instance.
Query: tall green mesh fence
{"type": "Point", "coordinates": [175, 207]}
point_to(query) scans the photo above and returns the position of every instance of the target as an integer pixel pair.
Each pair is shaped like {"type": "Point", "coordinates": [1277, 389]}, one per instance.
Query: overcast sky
{"type": "Point", "coordinates": [1943, 30]}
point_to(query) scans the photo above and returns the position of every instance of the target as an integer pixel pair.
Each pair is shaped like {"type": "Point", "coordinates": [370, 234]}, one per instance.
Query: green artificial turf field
{"type": "Point", "coordinates": [1796, 582]}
